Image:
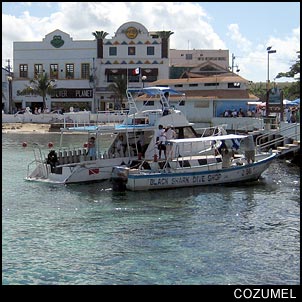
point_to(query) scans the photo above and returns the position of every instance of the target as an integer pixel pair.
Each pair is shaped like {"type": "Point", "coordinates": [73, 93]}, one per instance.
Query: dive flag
{"type": "Point", "coordinates": [136, 71]}
{"type": "Point", "coordinates": [94, 171]}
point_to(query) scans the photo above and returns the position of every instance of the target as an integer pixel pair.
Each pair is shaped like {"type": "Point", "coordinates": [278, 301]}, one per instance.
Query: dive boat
{"type": "Point", "coordinates": [133, 141]}
{"type": "Point", "coordinates": [188, 169]}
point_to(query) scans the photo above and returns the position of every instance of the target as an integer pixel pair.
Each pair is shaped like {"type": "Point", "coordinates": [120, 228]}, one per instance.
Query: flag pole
{"type": "Point", "coordinates": [127, 76]}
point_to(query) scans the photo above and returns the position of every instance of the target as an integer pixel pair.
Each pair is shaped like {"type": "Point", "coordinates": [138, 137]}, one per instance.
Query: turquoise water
{"type": "Point", "coordinates": [87, 234]}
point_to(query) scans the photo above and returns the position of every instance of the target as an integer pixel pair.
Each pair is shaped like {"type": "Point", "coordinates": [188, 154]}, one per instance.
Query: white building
{"type": "Point", "coordinates": [82, 70]}
{"type": "Point", "coordinates": [67, 62]}
{"type": "Point", "coordinates": [5, 90]}
{"type": "Point", "coordinates": [132, 47]}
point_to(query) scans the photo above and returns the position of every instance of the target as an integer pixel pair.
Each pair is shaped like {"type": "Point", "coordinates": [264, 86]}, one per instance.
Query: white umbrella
{"type": "Point", "coordinates": [285, 102]}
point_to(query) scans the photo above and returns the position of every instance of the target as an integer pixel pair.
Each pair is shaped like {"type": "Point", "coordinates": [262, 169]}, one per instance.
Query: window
{"type": "Point", "coordinates": [85, 67]}
{"type": "Point", "coordinates": [114, 77]}
{"type": "Point", "coordinates": [233, 85]}
{"type": "Point", "coordinates": [38, 69]}
{"type": "Point", "coordinates": [54, 71]}
{"type": "Point", "coordinates": [131, 51]}
{"type": "Point", "coordinates": [211, 84]}
{"type": "Point", "coordinates": [189, 56]}
{"type": "Point", "coordinates": [69, 71]}
{"type": "Point", "coordinates": [112, 51]}
{"type": "Point", "coordinates": [23, 70]}
{"type": "Point", "coordinates": [150, 51]}
{"type": "Point", "coordinates": [148, 103]}
{"type": "Point", "coordinates": [193, 85]}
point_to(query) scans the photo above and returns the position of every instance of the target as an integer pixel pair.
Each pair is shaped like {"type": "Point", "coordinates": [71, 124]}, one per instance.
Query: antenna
{"type": "Point", "coordinates": [233, 64]}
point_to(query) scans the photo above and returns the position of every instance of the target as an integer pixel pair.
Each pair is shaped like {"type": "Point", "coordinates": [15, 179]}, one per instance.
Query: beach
{"type": "Point", "coordinates": [25, 128]}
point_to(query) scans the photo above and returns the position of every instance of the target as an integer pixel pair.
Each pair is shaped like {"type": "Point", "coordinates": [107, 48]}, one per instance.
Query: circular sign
{"type": "Point", "coordinates": [131, 32]}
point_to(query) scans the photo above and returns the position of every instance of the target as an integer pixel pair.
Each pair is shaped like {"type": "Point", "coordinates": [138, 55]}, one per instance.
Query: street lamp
{"type": "Point", "coordinates": [144, 78]}
{"type": "Point", "coordinates": [10, 94]}
{"type": "Point", "coordinates": [269, 51]}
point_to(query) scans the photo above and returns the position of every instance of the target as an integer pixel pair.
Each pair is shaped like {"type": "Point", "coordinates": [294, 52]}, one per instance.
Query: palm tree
{"type": "Point", "coordinates": [164, 35]}
{"type": "Point", "coordinates": [119, 87]}
{"type": "Point", "coordinates": [100, 36]}
{"type": "Point", "coordinates": [41, 86]}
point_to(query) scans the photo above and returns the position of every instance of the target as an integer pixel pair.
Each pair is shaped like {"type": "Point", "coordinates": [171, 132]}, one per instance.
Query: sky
{"type": "Point", "coordinates": [246, 29]}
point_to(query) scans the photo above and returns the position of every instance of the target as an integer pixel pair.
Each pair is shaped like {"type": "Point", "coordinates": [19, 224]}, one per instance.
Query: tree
{"type": "Point", "coordinates": [259, 90]}
{"type": "Point", "coordinates": [164, 35]}
{"type": "Point", "coordinates": [119, 87]}
{"type": "Point", "coordinates": [100, 36]}
{"type": "Point", "coordinates": [41, 86]}
{"type": "Point", "coordinates": [293, 90]}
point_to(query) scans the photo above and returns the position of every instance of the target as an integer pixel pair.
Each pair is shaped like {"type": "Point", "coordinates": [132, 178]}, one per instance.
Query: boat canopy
{"type": "Point", "coordinates": [155, 90]}
{"type": "Point", "coordinates": [207, 138]}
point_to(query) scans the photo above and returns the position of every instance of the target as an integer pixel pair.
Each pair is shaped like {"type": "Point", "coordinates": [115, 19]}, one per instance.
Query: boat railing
{"type": "Point", "coordinates": [265, 140]}
{"type": "Point", "coordinates": [39, 160]}
{"type": "Point", "coordinates": [131, 103]}
{"type": "Point", "coordinates": [211, 131]}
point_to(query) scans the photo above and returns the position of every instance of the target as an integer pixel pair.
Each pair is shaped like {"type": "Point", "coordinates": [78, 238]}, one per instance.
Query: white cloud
{"type": "Point", "coordinates": [253, 59]}
{"type": "Point", "coordinates": [188, 20]}
{"type": "Point", "coordinates": [236, 36]}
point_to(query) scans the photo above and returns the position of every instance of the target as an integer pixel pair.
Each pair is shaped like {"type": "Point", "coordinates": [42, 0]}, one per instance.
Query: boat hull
{"type": "Point", "coordinates": [235, 174]}
{"type": "Point", "coordinates": [89, 171]}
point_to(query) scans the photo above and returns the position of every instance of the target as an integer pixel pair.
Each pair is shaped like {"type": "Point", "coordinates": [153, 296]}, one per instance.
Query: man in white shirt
{"type": "Point", "coordinates": [170, 134]}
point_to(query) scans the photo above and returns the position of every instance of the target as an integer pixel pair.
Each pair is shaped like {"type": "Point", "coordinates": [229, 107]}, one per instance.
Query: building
{"type": "Point", "coordinates": [82, 70]}
{"type": "Point", "coordinates": [5, 90]}
{"type": "Point", "coordinates": [68, 64]}
{"type": "Point", "coordinates": [208, 96]}
{"type": "Point", "coordinates": [183, 60]}
{"type": "Point", "coordinates": [135, 54]}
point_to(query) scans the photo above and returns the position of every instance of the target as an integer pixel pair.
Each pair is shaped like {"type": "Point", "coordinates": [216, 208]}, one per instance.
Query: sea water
{"type": "Point", "coordinates": [88, 234]}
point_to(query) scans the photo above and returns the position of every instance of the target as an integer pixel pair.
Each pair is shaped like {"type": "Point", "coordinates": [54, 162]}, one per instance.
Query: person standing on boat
{"type": "Point", "coordinates": [226, 154]}
{"type": "Point", "coordinates": [91, 148]}
{"type": "Point", "coordinates": [161, 140]}
{"type": "Point", "coordinates": [170, 134]}
{"type": "Point", "coordinates": [120, 146]}
{"type": "Point", "coordinates": [248, 145]}
{"type": "Point", "coordinates": [52, 160]}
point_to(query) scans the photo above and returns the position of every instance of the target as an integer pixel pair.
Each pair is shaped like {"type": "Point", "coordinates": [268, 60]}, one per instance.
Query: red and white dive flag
{"type": "Point", "coordinates": [136, 71]}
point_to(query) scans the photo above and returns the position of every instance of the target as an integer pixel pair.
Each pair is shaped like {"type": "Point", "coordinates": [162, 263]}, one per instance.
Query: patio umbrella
{"type": "Point", "coordinates": [295, 102]}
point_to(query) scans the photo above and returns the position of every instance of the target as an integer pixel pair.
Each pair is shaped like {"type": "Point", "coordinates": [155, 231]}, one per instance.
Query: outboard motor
{"type": "Point", "coordinates": [119, 178]}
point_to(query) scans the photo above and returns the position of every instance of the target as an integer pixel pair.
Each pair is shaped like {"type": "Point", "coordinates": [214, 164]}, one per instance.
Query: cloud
{"type": "Point", "coordinates": [237, 37]}
{"type": "Point", "coordinates": [188, 20]}
{"type": "Point", "coordinates": [253, 59]}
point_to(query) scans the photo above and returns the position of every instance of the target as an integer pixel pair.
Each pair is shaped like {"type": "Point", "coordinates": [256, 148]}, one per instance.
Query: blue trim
{"type": "Point", "coordinates": [84, 128]}
{"type": "Point", "coordinates": [238, 168]}
{"type": "Point", "coordinates": [128, 126]}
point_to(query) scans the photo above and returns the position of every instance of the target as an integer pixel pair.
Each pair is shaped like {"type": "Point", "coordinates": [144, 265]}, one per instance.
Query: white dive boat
{"type": "Point", "coordinates": [190, 169]}
{"type": "Point", "coordinates": [138, 142]}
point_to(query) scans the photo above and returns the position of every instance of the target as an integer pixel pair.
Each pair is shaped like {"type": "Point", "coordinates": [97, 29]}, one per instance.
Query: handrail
{"type": "Point", "coordinates": [276, 140]}
{"type": "Point", "coordinates": [280, 131]}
